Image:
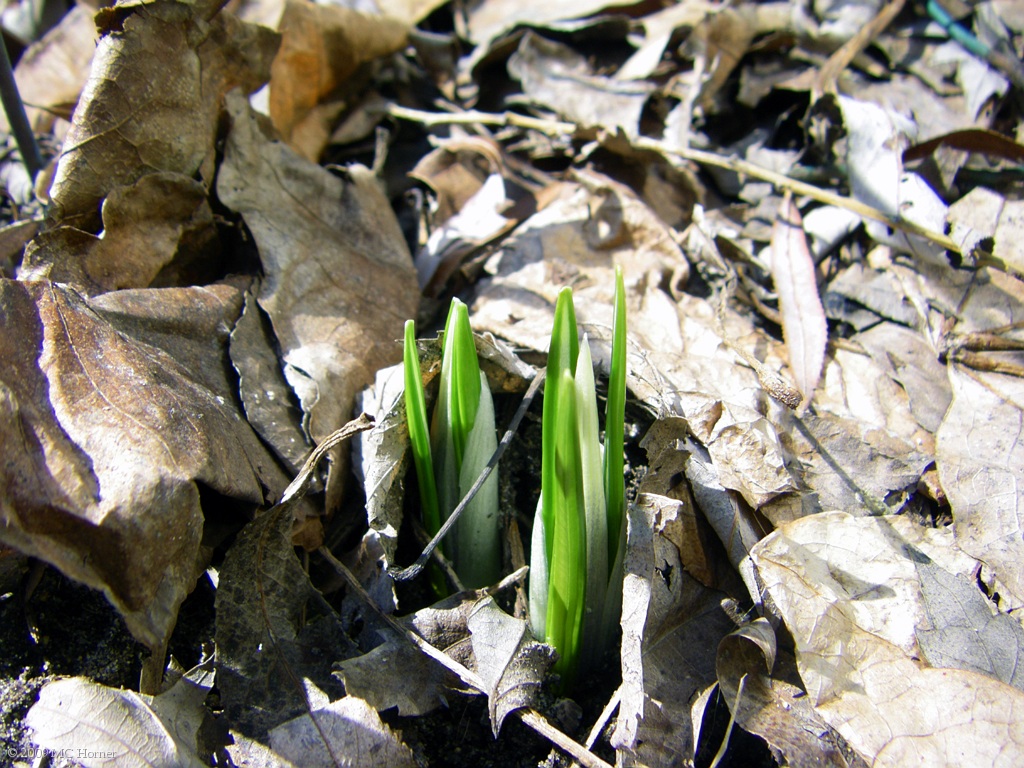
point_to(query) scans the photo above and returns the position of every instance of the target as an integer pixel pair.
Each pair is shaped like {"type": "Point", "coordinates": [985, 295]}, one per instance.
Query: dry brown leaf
{"type": "Point", "coordinates": [322, 47]}
{"type": "Point", "coordinates": [849, 593]}
{"type": "Point", "coordinates": [554, 76]}
{"type": "Point", "coordinates": [339, 282]}
{"type": "Point", "coordinates": [774, 708]}
{"type": "Point", "coordinates": [157, 232]}
{"type": "Point", "coordinates": [670, 628]}
{"type": "Point", "coordinates": [803, 319]}
{"type": "Point", "coordinates": [103, 483]}
{"type": "Point", "coordinates": [51, 73]}
{"type": "Point", "coordinates": [347, 732]}
{"type": "Point", "coordinates": [143, 111]}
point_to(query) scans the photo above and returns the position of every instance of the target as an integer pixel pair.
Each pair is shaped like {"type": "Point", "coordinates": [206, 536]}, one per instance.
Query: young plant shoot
{"type": "Point", "coordinates": [454, 451]}
{"type": "Point", "coordinates": [577, 547]}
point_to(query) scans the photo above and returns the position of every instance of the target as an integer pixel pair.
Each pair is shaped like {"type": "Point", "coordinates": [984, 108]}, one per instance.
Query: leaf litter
{"type": "Point", "coordinates": [814, 208]}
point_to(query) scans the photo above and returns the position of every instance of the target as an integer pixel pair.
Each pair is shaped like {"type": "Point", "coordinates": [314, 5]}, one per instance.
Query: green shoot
{"type": "Point", "coordinates": [461, 440]}
{"type": "Point", "coordinates": [577, 546]}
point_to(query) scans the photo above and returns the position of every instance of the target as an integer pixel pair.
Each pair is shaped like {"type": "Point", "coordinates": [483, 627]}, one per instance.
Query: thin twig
{"type": "Point", "coordinates": [559, 128]}
{"type": "Point", "coordinates": [414, 570]}
{"type": "Point", "coordinates": [530, 717]}
{"type": "Point", "coordinates": [16, 118]}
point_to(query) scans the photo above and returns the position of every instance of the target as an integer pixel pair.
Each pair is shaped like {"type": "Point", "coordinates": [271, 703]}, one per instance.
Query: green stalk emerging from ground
{"type": "Point", "coordinates": [577, 546]}
{"type": "Point", "coordinates": [451, 456]}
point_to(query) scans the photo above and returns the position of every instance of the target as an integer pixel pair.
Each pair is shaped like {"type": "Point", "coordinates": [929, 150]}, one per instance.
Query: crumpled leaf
{"type": "Point", "coordinates": [803, 319]}
{"type": "Point", "coordinates": [141, 113]}
{"type": "Point", "coordinates": [963, 633]}
{"type": "Point", "coordinates": [508, 659]}
{"type": "Point", "coordinates": [670, 627]}
{"type": "Point", "coordinates": [269, 403]}
{"type": "Point", "coordinates": [772, 706]}
{"type": "Point", "coordinates": [354, 735]}
{"type": "Point", "coordinates": [980, 458]}
{"type": "Point", "coordinates": [52, 72]}
{"type": "Point", "coordinates": [554, 76]}
{"type": "Point", "coordinates": [99, 482]}
{"type": "Point", "coordinates": [122, 727]}
{"type": "Point", "coordinates": [266, 643]}
{"type": "Point", "coordinates": [339, 282]}
{"type": "Point", "coordinates": [396, 674]}
{"type": "Point", "coordinates": [158, 231]}
{"type": "Point", "coordinates": [848, 591]}
{"type": "Point", "coordinates": [322, 47]}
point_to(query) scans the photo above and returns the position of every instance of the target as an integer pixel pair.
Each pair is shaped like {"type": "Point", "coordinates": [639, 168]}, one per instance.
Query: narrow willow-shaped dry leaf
{"type": "Point", "coordinates": [847, 589]}
{"type": "Point", "coordinates": [803, 319]}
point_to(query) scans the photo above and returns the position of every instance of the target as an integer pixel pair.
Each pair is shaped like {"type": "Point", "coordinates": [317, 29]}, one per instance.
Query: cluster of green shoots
{"type": "Point", "coordinates": [579, 530]}
{"type": "Point", "coordinates": [451, 454]}
{"type": "Point", "coordinates": [575, 589]}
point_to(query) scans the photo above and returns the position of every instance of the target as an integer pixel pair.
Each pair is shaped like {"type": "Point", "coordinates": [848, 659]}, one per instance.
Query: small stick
{"type": "Point", "coordinates": [530, 717]}
{"type": "Point", "coordinates": [559, 128]}
{"type": "Point", "coordinates": [16, 117]}
{"type": "Point", "coordinates": [414, 570]}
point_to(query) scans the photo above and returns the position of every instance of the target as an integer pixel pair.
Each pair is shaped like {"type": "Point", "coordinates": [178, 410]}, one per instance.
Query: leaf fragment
{"type": "Point", "coordinates": [803, 318]}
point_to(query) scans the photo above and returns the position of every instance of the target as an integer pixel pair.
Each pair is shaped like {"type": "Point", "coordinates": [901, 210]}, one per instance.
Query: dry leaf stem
{"type": "Point", "coordinates": [530, 717]}
{"type": "Point", "coordinates": [559, 128]}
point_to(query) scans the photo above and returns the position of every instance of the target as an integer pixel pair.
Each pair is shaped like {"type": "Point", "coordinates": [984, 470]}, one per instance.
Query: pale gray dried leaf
{"type": "Point", "coordinates": [141, 113]}
{"type": "Point", "coordinates": [339, 281]}
{"type": "Point", "coordinates": [987, 220]}
{"type": "Point", "coordinates": [268, 401]}
{"type": "Point", "coordinates": [265, 640]}
{"type": "Point", "coordinates": [554, 76]}
{"type": "Point", "coordinates": [848, 591]}
{"type": "Point", "coordinates": [803, 319]}
{"type": "Point", "coordinates": [252, 754]}
{"type": "Point", "coordinates": [346, 732]}
{"type": "Point", "coordinates": [736, 527]}
{"type": "Point", "coordinates": [980, 458]}
{"type": "Point", "coordinates": [71, 413]}
{"type": "Point", "coordinates": [396, 674]}
{"type": "Point", "coordinates": [121, 727]}
{"type": "Point", "coordinates": [878, 291]}
{"type": "Point", "coordinates": [911, 360]}
{"type": "Point", "coordinates": [850, 466]}
{"type": "Point", "coordinates": [964, 633]}
{"type": "Point", "coordinates": [508, 659]}
{"type": "Point", "coordinates": [670, 628]}
{"type": "Point", "coordinates": [772, 706]}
